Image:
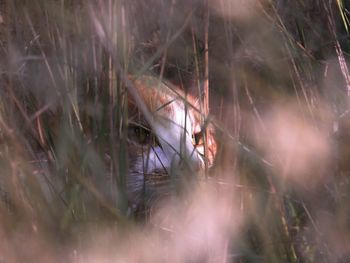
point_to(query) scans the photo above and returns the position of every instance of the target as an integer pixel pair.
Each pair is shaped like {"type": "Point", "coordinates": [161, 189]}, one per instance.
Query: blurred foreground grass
{"type": "Point", "coordinates": [279, 88]}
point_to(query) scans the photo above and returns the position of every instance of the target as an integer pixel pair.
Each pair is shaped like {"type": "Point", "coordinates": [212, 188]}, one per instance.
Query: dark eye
{"type": "Point", "coordinates": [139, 134]}
{"type": "Point", "coordinates": [197, 138]}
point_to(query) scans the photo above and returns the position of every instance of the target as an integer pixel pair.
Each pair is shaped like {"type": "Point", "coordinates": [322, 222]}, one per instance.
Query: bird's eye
{"type": "Point", "coordinates": [139, 134]}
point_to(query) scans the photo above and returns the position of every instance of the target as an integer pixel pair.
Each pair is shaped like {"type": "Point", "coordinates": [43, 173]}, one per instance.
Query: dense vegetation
{"type": "Point", "coordinates": [276, 76]}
